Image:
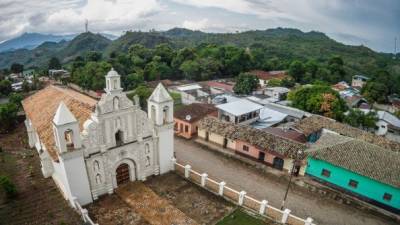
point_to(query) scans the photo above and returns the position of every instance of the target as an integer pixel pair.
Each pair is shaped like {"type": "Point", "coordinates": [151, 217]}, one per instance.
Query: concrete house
{"type": "Point", "coordinates": [239, 112]}
{"type": "Point", "coordinates": [269, 147]}
{"type": "Point", "coordinates": [186, 118]}
{"type": "Point", "coordinates": [359, 81]}
{"type": "Point", "coordinates": [89, 147]}
{"type": "Point", "coordinates": [357, 167]}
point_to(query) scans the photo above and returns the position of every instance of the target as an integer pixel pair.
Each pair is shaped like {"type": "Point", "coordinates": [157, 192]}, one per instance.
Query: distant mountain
{"type": "Point", "coordinates": [83, 43]}
{"type": "Point", "coordinates": [64, 50]}
{"type": "Point", "coordinates": [32, 40]}
{"type": "Point", "coordinates": [285, 44]}
{"type": "Point", "coordinates": [147, 39]}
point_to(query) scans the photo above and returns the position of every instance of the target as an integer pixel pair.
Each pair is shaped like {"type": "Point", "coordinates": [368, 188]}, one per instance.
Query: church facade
{"type": "Point", "coordinates": [91, 147]}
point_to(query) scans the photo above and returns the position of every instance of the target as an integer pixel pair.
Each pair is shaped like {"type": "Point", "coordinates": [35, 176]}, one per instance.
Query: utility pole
{"type": "Point", "coordinates": [395, 48]}
{"type": "Point", "coordinates": [86, 25]}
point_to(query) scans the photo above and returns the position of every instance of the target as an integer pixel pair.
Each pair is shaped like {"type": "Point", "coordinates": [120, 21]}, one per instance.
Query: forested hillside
{"type": "Point", "coordinates": [197, 55]}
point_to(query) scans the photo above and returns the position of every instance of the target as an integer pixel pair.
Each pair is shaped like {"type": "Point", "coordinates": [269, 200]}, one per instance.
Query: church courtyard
{"type": "Point", "coordinates": [160, 197]}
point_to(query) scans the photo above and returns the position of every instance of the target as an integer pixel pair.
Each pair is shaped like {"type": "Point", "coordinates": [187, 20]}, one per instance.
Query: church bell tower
{"type": "Point", "coordinates": [160, 111]}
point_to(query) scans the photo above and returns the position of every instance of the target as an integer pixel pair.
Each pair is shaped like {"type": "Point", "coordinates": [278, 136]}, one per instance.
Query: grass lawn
{"type": "Point", "coordinates": [238, 217]}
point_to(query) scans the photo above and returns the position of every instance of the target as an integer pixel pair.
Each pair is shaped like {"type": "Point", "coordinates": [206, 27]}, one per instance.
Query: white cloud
{"type": "Point", "coordinates": [196, 25]}
{"type": "Point", "coordinates": [68, 16]}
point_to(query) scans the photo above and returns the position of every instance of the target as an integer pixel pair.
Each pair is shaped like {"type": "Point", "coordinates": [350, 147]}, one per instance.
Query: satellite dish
{"type": "Point", "coordinates": [188, 117]}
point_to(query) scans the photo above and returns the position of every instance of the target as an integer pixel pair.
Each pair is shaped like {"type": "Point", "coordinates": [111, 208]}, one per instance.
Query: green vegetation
{"type": "Point", "coordinates": [5, 87]}
{"type": "Point", "coordinates": [245, 84]}
{"type": "Point", "coordinates": [238, 217]}
{"type": "Point", "coordinates": [181, 53]}
{"type": "Point", "coordinates": [8, 116]}
{"type": "Point", "coordinates": [8, 187]}
{"type": "Point", "coordinates": [357, 118]}
{"type": "Point", "coordinates": [318, 99]}
{"type": "Point", "coordinates": [16, 99]}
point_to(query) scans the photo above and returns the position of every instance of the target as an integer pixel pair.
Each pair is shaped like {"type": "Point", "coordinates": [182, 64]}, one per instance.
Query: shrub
{"type": "Point", "coordinates": [8, 186]}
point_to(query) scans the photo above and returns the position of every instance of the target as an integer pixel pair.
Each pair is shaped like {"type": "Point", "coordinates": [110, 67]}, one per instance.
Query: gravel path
{"type": "Point", "coordinates": [260, 186]}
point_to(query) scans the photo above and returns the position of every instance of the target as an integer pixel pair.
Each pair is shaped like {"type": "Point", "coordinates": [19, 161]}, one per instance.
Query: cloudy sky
{"type": "Point", "coordinates": [374, 23]}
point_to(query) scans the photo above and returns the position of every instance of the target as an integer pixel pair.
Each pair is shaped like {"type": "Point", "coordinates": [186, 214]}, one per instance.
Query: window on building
{"type": "Point", "coordinates": [383, 126]}
{"type": "Point", "coordinates": [116, 103]}
{"type": "Point", "coordinates": [326, 173]}
{"type": "Point", "coordinates": [147, 148]}
{"type": "Point", "coordinates": [353, 183]}
{"type": "Point", "coordinates": [147, 161]}
{"type": "Point", "coordinates": [165, 114]}
{"type": "Point", "coordinates": [118, 138]}
{"type": "Point", "coordinates": [387, 197]}
{"type": "Point", "coordinates": [245, 148]}
{"type": "Point", "coordinates": [186, 128]}
{"type": "Point", "coordinates": [68, 135]}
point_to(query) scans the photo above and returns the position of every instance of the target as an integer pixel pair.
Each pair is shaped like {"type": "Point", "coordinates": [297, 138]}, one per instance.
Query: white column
{"type": "Point", "coordinates": [173, 162]}
{"type": "Point", "coordinates": [221, 188]}
{"type": "Point", "coordinates": [285, 215]}
{"type": "Point", "coordinates": [187, 170]}
{"type": "Point", "coordinates": [241, 197]}
{"type": "Point", "coordinates": [263, 206]}
{"type": "Point", "coordinates": [309, 221]}
{"type": "Point", "coordinates": [203, 179]}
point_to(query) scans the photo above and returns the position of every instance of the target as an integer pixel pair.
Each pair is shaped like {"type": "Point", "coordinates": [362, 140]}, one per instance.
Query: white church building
{"type": "Point", "coordinates": [89, 147]}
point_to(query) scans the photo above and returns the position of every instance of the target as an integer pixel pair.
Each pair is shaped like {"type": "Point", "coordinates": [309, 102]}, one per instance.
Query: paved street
{"type": "Point", "coordinates": [260, 186]}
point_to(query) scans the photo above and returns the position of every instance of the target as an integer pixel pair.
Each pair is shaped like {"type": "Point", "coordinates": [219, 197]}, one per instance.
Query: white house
{"type": "Point", "coordinates": [89, 147]}
{"type": "Point", "coordinates": [241, 111]}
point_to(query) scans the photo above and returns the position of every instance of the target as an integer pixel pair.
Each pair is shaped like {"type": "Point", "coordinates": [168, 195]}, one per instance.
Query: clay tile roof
{"type": "Point", "coordinates": [358, 156]}
{"type": "Point", "coordinates": [41, 107]}
{"type": "Point", "coordinates": [194, 112]}
{"type": "Point", "coordinates": [268, 75]}
{"type": "Point", "coordinates": [289, 134]}
{"type": "Point", "coordinates": [256, 137]}
{"type": "Point", "coordinates": [315, 123]}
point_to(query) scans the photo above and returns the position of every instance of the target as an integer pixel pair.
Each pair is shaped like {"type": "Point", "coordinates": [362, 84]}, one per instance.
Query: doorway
{"type": "Point", "coordinates": [122, 174]}
{"type": "Point", "coordinates": [278, 163]}
{"type": "Point", "coordinates": [261, 156]}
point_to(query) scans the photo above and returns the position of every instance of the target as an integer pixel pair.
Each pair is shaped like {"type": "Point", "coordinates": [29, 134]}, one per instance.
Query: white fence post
{"type": "Point", "coordinates": [263, 206]}
{"type": "Point", "coordinates": [285, 215]}
{"type": "Point", "coordinates": [309, 221]}
{"type": "Point", "coordinates": [173, 163]}
{"type": "Point", "coordinates": [84, 214]}
{"type": "Point", "coordinates": [221, 188]}
{"type": "Point", "coordinates": [187, 170]}
{"type": "Point", "coordinates": [241, 197]}
{"type": "Point", "coordinates": [203, 179]}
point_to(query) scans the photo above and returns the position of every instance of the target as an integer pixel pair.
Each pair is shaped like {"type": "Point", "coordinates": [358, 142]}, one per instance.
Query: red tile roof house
{"type": "Point", "coordinates": [186, 118]}
{"type": "Point", "coordinates": [220, 87]}
{"type": "Point", "coordinates": [265, 76]}
{"type": "Point", "coordinates": [273, 147]}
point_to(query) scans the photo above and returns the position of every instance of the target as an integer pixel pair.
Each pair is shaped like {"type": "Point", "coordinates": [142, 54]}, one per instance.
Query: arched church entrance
{"type": "Point", "coordinates": [122, 174]}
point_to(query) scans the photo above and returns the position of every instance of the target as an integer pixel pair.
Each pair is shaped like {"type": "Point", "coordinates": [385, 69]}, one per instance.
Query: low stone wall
{"type": "Point", "coordinates": [240, 198]}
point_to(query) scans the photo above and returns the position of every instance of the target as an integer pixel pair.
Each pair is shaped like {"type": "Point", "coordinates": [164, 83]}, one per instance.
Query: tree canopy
{"type": "Point", "coordinates": [245, 84]}
{"type": "Point", "coordinates": [318, 99]}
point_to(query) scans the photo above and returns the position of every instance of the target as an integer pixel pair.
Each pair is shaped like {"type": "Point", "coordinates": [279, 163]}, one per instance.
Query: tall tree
{"type": "Point", "coordinates": [54, 64]}
{"type": "Point", "coordinates": [16, 68]}
{"type": "Point", "coordinates": [245, 84]}
{"type": "Point", "coordinates": [296, 70]}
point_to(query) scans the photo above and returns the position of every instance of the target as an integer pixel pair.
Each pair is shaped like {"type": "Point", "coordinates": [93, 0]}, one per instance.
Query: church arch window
{"type": "Point", "coordinates": [68, 136]}
{"type": "Point", "coordinates": [119, 138]}
{"type": "Point", "coordinates": [165, 114]}
{"type": "Point", "coordinates": [96, 165]}
{"type": "Point", "coordinates": [116, 103]}
{"type": "Point", "coordinates": [153, 112]}
{"type": "Point", "coordinates": [115, 84]}
{"type": "Point", "coordinates": [147, 148]}
{"type": "Point", "coordinates": [147, 161]}
{"type": "Point", "coordinates": [98, 179]}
